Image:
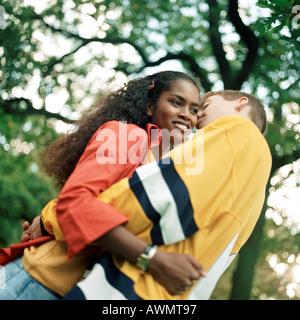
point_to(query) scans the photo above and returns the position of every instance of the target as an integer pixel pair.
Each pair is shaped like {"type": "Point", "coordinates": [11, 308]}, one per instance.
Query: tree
{"type": "Point", "coordinates": [24, 190]}
{"type": "Point", "coordinates": [220, 43]}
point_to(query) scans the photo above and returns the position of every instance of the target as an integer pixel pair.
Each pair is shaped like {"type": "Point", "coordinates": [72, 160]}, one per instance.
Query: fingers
{"type": "Point", "coordinates": [193, 272]}
{"type": "Point", "coordinates": [183, 289]}
{"type": "Point", "coordinates": [26, 233]}
{"type": "Point", "coordinates": [25, 225]}
{"type": "Point", "coordinates": [196, 273]}
{"type": "Point", "coordinates": [185, 286]}
{"type": "Point", "coordinates": [198, 266]}
{"type": "Point", "coordinates": [25, 237]}
{"type": "Point", "coordinates": [182, 273]}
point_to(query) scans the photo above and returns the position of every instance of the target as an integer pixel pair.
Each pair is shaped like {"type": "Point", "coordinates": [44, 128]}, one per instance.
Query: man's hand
{"type": "Point", "coordinates": [33, 231]}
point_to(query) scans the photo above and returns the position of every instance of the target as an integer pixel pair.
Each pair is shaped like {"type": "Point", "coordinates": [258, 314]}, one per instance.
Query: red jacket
{"type": "Point", "coordinates": [82, 217]}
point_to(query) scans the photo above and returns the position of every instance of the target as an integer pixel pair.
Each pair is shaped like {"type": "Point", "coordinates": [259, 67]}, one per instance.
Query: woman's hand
{"type": "Point", "coordinates": [33, 231]}
{"type": "Point", "coordinates": [175, 271]}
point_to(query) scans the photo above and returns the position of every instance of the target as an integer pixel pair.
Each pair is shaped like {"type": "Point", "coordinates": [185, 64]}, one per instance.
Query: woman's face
{"type": "Point", "coordinates": [176, 109]}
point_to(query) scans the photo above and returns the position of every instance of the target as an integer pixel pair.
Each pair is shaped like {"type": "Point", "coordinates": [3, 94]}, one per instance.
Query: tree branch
{"type": "Point", "coordinates": [194, 67]}
{"type": "Point", "coordinates": [280, 161]}
{"type": "Point", "coordinates": [54, 61]}
{"type": "Point", "coordinates": [109, 38]}
{"type": "Point", "coordinates": [251, 41]}
{"type": "Point", "coordinates": [217, 45]}
{"type": "Point", "coordinates": [184, 57]}
{"type": "Point", "coordinates": [12, 106]}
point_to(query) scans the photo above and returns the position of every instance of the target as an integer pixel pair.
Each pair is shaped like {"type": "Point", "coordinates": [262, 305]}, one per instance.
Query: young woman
{"type": "Point", "coordinates": [170, 100]}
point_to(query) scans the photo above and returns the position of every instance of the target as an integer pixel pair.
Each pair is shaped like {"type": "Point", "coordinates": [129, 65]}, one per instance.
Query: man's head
{"type": "Point", "coordinates": [216, 104]}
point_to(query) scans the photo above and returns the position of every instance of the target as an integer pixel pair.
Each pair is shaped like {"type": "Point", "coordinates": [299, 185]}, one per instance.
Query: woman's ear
{"type": "Point", "coordinates": [149, 108]}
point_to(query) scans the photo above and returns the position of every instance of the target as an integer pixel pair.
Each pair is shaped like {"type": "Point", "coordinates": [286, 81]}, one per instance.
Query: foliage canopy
{"type": "Point", "coordinates": [58, 56]}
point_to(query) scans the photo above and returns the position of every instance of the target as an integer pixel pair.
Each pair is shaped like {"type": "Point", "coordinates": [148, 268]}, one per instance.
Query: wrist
{"type": "Point", "coordinates": [157, 263]}
{"type": "Point", "coordinates": [145, 258]}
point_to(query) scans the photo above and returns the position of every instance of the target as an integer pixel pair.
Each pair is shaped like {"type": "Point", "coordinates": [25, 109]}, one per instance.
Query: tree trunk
{"type": "Point", "coordinates": [244, 273]}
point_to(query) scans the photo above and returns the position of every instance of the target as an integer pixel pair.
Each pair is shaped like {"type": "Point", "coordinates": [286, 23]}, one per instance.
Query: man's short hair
{"type": "Point", "coordinates": [257, 113]}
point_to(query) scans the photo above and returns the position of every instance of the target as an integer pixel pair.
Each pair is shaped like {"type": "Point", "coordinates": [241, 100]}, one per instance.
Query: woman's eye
{"type": "Point", "coordinates": [195, 110]}
{"type": "Point", "coordinates": [177, 103]}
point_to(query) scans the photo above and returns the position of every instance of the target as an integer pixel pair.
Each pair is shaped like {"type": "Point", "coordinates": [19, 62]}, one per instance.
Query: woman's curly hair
{"type": "Point", "coordinates": [126, 104]}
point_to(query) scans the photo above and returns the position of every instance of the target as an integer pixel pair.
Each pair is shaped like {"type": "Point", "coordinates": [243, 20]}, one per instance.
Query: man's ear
{"type": "Point", "coordinates": [241, 103]}
{"type": "Point", "coordinates": [149, 108]}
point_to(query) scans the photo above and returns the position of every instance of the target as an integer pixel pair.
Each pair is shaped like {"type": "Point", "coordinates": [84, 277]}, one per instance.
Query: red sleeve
{"type": "Point", "coordinates": [82, 217]}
